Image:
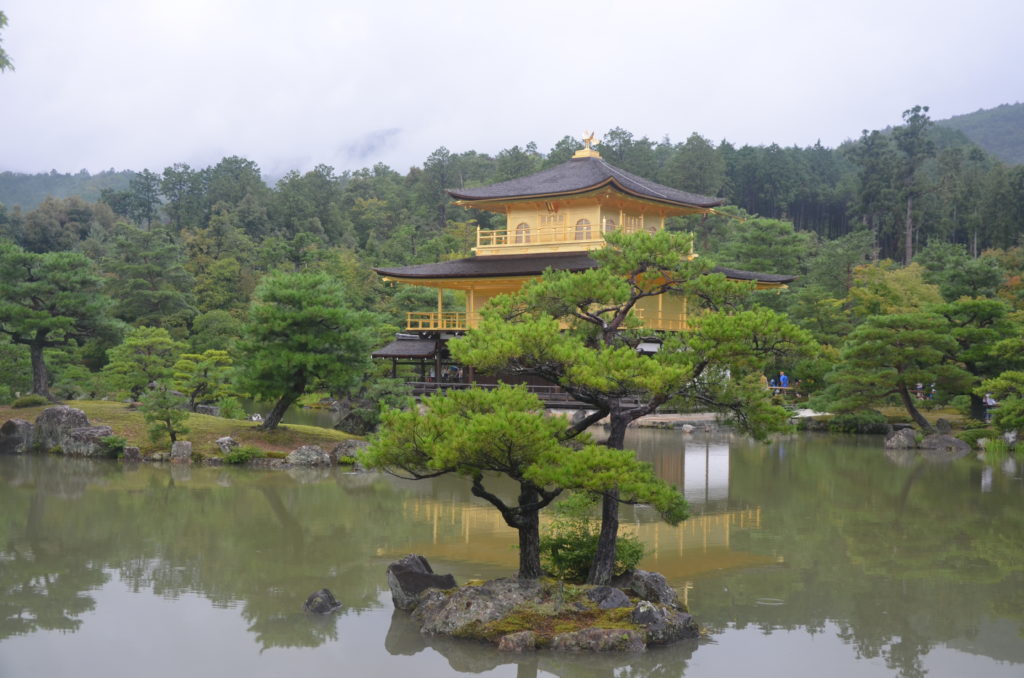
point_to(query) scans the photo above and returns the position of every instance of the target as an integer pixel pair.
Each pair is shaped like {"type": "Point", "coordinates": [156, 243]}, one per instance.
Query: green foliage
{"type": "Point", "coordinates": [148, 280]}
{"type": "Point", "coordinates": [164, 413]}
{"type": "Point", "coordinates": [113, 446]}
{"type": "Point", "coordinates": [569, 543]}
{"type": "Point", "coordinates": [243, 454]}
{"type": "Point", "coordinates": [31, 400]}
{"type": "Point", "coordinates": [47, 301]}
{"type": "Point", "coordinates": [1008, 390]}
{"type": "Point", "coordinates": [864, 421]}
{"type": "Point", "coordinates": [146, 356]}
{"type": "Point", "coordinates": [891, 354]}
{"type": "Point", "coordinates": [301, 336]}
{"type": "Point", "coordinates": [230, 408]}
{"type": "Point", "coordinates": [203, 377]}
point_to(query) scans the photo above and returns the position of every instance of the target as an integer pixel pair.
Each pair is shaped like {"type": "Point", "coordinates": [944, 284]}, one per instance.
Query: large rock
{"type": "Point", "coordinates": [54, 423]}
{"type": "Point", "coordinates": [648, 586]}
{"type": "Point", "coordinates": [901, 439]}
{"type": "Point", "coordinates": [411, 576]}
{"type": "Point", "coordinates": [15, 437]}
{"type": "Point", "coordinates": [608, 597]}
{"type": "Point", "coordinates": [523, 641]}
{"type": "Point", "coordinates": [308, 455]}
{"type": "Point", "coordinates": [349, 450]}
{"type": "Point", "coordinates": [132, 453]}
{"type": "Point", "coordinates": [939, 447]}
{"type": "Point", "coordinates": [663, 625]}
{"type": "Point", "coordinates": [470, 607]}
{"type": "Point", "coordinates": [599, 640]}
{"type": "Point", "coordinates": [226, 444]}
{"type": "Point", "coordinates": [321, 602]}
{"type": "Point", "coordinates": [181, 452]}
{"type": "Point", "coordinates": [211, 410]}
{"type": "Point", "coordinates": [86, 441]}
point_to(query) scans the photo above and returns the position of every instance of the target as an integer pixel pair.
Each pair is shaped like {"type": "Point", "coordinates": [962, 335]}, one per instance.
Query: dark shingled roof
{"type": "Point", "coordinates": [407, 348]}
{"type": "Point", "coordinates": [578, 176]}
{"type": "Point", "coordinates": [499, 266]}
{"type": "Point", "coordinates": [495, 266]}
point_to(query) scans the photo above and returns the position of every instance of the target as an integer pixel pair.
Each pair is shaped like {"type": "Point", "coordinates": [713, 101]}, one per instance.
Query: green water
{"type": "Point", "coordinates": [808, 556]}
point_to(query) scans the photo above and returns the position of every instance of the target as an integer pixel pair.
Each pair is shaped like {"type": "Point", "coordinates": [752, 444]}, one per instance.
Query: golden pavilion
{"type": "Point", "coordinates": [554, 218]}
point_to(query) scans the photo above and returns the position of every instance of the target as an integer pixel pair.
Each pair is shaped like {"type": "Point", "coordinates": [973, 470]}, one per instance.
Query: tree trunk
{"type": "Point", "coordinates": [908, 404]}
{"type": "Point", "coordinates": [978, 409]}
{"type": "Point", "coordinates": [282, 405]}
{"type": "Point", "coordinates": [909, 232]}
{"type": "Point", "coordinates": [40, 375]}
{"type": "Point", "coordinates": [603, 566]}
{"type": "Point", "coordinates": [529, 548]}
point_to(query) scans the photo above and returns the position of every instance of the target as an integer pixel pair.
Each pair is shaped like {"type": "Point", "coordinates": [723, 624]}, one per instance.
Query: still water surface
{"type": "Point", "coordinates": [808, 556]}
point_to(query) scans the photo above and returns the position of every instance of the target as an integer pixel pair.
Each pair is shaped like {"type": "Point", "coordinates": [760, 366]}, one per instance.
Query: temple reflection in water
{"type": "Point", "coordinates": [463, 530]}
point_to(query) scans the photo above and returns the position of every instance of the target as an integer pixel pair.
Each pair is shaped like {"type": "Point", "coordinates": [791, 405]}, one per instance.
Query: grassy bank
{"type": "Point", "coordinates": [203, 429]}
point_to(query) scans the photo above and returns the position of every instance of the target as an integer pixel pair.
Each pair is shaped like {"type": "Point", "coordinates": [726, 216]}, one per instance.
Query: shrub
{"type": "Point", "coordinates": [962, 404]}
{"type": "Point", "coordinates": [971, 436]}
{"type": "Point", "coordinates": [162, 410]}
{"type": "Point", "coordinates": [864, 421]}
{"type": "Point", "coordinates": [30, 400]}
{"type": "Point", "coordinates": [230, 408]}
{"type": "Point", "coordinates": [568, 546]}
{"type": "Point", "coordinates": [113, 446]}
{"type": "Point", "coordinates": [243, 454]}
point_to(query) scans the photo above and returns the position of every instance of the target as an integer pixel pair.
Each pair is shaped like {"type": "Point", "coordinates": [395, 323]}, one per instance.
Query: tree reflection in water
{"type": "Point", "coordinates": [892, 556]}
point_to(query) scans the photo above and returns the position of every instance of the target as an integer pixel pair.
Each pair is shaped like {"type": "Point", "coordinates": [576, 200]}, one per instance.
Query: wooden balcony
{"type": "Point", "coordinates": [539, 239]}
{"type": "Point", "coordinates": [447, 321]}
{"type": "Point", "coordinates": [661, 321]}
{"type": "Point", "coordinates": [453, 321]}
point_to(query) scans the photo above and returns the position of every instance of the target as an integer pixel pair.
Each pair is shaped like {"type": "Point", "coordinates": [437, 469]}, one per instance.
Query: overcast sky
{"type": "Point", "coordinates": [133, 84]}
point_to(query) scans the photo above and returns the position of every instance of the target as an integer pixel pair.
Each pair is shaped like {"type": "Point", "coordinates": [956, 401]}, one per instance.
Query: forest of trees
{"type": "Point", "coordinates": [184, 249]}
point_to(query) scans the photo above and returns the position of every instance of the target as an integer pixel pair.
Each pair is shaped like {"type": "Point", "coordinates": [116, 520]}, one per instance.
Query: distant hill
{"type": "Point", "coordinates": [28, 190]}
{"type": "Point", "coordinates": [999, 130]}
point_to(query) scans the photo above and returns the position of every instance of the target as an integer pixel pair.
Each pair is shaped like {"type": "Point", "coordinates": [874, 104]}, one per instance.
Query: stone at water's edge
{"type": "Point", "coordinates": [181, 452]}
{"type": "Point", "coordinates": [411, 576]}
{"type": "Point", "coordinates": [939, 447]}
{"type": "Point", "coordinates": [321, 602]}
{"type": "Point", "coordinates": [901, 439]}
{"type": "Point", "coordinates": [16, 437]}
{"type": "Point", "coordinates": [86, 441]}
{"type": "Point", "coordinates": [608, 597]}
{"type": "Point", "coordinates": [648, 586]}
{"type": "Point", "coordinates": [472, 606]}
{"type": "Point", "coordinates": [132, 453]}
{"type": "Point", "coordinates": [53, 424]}
{"type": "Point", "coordinates": [600, 640]}
{"type": "Point", "coordinates": [523, 641]}
{"type": "Point", "coordinates": [662, 624]}
{"type": "Point", "coordinates": [308, 455]}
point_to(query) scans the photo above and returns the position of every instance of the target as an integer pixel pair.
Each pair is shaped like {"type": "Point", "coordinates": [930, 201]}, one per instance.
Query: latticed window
{"type": "Point", "coordinates": [609, 225]}
{"type": "Point", "coordinates": [583, 229]}
{"type": "Point", "coordinates": [522, 233]}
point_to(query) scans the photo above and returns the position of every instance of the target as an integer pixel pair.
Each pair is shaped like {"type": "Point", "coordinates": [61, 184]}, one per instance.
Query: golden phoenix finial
{"type": "Point", "coordinates": [589, 139]}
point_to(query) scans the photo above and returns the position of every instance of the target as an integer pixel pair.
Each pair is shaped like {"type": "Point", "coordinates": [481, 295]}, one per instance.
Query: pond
{"type": "Point", "coordinates": [807, 556]}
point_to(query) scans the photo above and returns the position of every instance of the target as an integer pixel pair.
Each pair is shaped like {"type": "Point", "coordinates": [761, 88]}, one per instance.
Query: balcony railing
{"type": "Point", "coordinates": [661, 321]}
{"type": "Point", "coordinates": [448, 321]}
{"type": "Point", "coordinates": [539, 235]}
{"type": "Point", "coordinates": [452, 321]}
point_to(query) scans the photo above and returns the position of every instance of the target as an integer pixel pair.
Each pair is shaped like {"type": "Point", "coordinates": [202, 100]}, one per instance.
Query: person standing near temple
{"type": "Point", "coordinates": [783, 380]}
